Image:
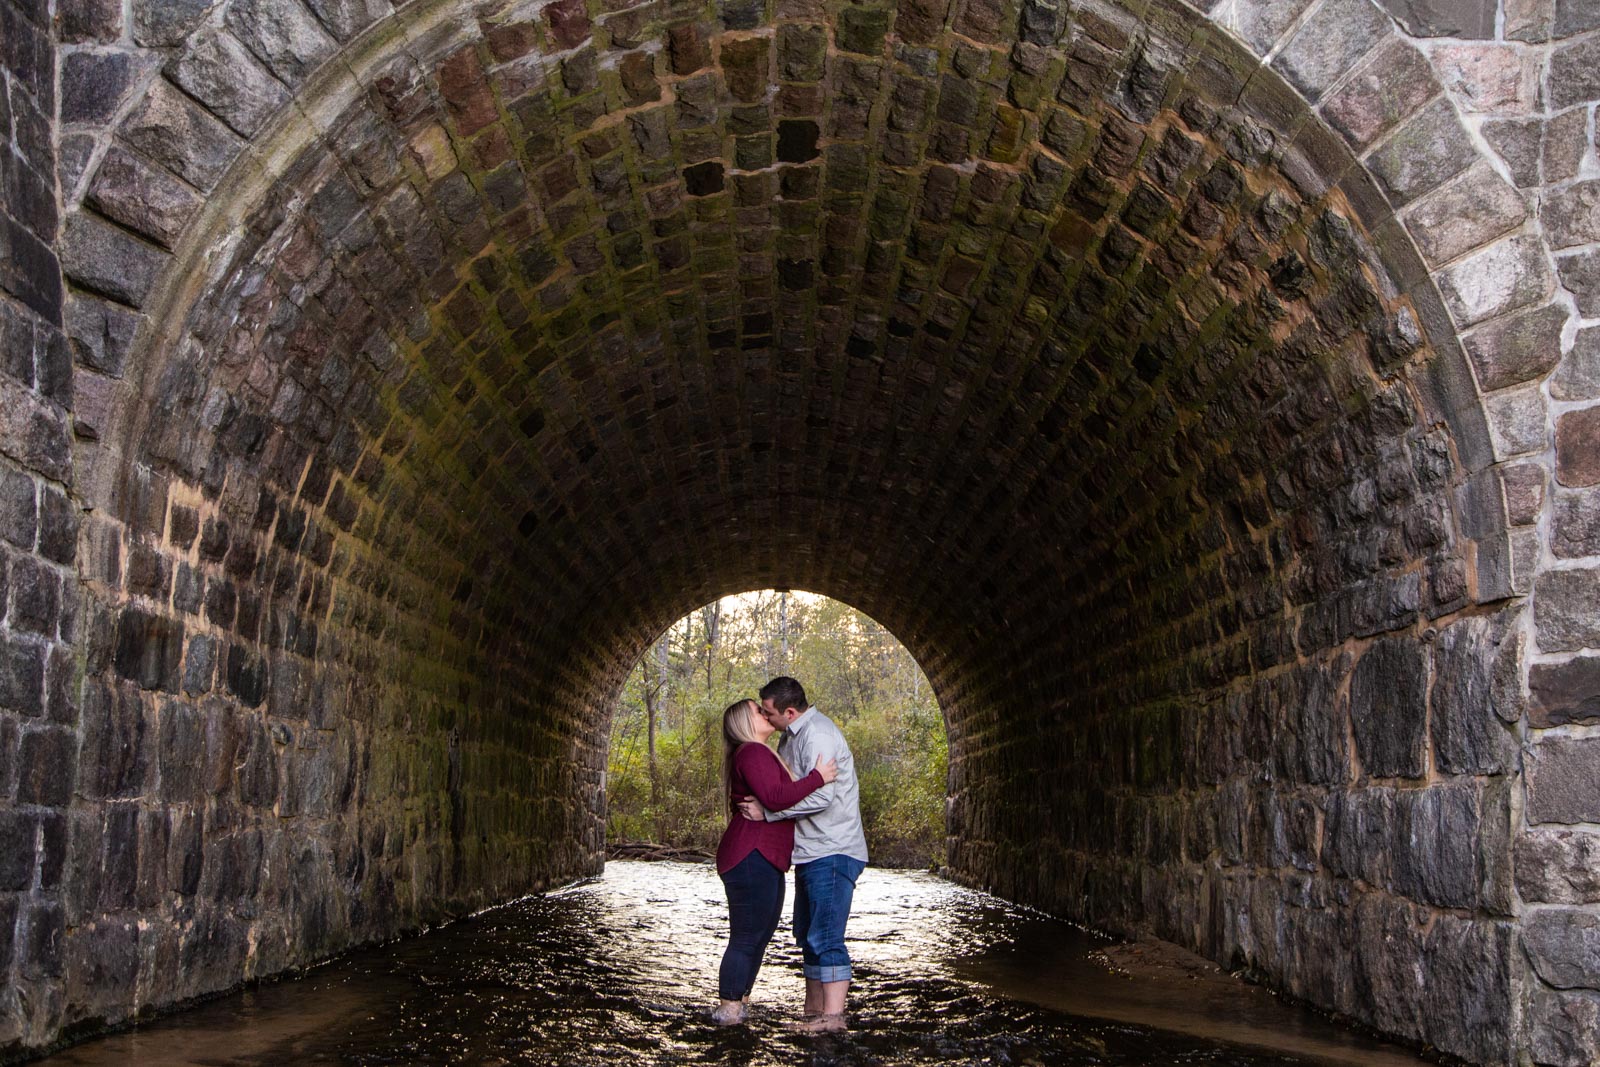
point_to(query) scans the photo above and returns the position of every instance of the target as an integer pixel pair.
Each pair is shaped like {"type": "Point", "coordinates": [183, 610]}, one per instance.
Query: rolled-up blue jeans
{"type": "Point", "coordinates": [823, 890]}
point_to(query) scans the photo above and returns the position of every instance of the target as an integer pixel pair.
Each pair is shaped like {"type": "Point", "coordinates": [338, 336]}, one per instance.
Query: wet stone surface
{"type": "Point", "coordinates": [623, 969]}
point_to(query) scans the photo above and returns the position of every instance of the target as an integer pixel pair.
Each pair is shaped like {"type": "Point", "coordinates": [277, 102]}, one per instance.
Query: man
{"type": "Point", "coordinates": [830, 849]}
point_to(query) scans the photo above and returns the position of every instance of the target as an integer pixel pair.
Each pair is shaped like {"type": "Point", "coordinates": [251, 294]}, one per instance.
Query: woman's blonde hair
{"type": "Point", "coordinates": [736, 731]}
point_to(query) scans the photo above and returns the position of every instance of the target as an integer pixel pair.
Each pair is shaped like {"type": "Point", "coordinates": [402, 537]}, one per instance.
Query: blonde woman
{"type": "Point", "coordinates": [753, 855]}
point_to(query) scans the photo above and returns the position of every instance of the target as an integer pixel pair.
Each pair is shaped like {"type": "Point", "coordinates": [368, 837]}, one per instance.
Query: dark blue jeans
{"type": "Point", "coordinates": [823, 890]}
{"type": "Point", "coordinates": [755, 902]}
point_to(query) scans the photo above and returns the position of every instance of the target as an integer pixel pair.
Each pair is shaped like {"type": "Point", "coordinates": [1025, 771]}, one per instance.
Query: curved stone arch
{"type": "Point", "coordinates": [1467, 265]}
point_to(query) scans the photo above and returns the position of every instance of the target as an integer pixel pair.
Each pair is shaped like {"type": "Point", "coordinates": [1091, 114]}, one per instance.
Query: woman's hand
{"type": "Point", "coordinates": [828, 768]}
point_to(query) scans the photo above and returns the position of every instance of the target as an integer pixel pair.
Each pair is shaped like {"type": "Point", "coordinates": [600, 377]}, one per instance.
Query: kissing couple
{"type": "Point", "coordinates": [774, 818]}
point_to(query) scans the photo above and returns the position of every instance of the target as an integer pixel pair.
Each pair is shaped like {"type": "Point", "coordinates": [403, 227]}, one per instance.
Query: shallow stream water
{"type": "Point", "coordinates": [622, 969]}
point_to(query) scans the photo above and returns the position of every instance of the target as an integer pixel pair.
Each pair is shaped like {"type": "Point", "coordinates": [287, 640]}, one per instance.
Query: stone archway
{"type": "Point", "coordinates": [1189, 413]}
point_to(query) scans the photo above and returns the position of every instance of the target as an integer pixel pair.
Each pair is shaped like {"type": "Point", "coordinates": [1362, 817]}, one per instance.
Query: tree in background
{"type": "Point", "coordinates": [663, 781]}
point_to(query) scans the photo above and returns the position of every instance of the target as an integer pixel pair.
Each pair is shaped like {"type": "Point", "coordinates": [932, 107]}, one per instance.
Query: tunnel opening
{"type": "Point", "coordinates": [1139, 370]}
{"type": "Point", "coordinates": [663, 786]}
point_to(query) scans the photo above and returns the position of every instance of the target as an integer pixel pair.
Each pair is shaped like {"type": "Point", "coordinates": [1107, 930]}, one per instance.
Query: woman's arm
{"type": "Point", "coordinates": [769, 782]}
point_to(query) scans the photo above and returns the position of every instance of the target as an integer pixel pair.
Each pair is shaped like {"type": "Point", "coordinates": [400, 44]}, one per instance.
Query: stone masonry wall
{"type": "Point", "coordinates": [1204, 396]}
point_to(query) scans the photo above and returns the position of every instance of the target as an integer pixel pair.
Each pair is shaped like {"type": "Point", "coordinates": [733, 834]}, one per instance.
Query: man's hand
{"type": "Point", "coordinates": [751, 809]}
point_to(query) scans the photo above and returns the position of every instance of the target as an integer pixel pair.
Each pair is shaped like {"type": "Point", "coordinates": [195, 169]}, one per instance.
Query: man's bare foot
{"type": "Point", "coordinates": [728, 1013]}
{"type": "Point", "coordinates": [820, 1024]}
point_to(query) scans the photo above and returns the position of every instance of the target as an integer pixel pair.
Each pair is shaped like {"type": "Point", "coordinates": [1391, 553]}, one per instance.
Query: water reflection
{"type": "Point", "coordinates": [623, 969]}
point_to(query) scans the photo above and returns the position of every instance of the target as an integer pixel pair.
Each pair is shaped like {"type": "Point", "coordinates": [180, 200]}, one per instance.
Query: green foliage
{"type": "Point", "coordinates": [852, 669]}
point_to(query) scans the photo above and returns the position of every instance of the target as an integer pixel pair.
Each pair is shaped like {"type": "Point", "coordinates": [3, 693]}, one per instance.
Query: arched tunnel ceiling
{"type": "Point", "coordinates": [563, 326]}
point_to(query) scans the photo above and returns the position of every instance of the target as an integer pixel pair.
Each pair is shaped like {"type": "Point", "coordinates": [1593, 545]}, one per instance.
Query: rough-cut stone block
{"type": "Point", "coordinates": [1465, 214]}
{"type": "Point", "coordinates": [1564, 692]}
{"type": "Point", "coordinates": [1388, 707]}
{"type": "Point", "coordinates": [1575, 528]}
{"type": "Point", "coordinates": [283, 36]}
{"type": "Point", "coordinates": [1578, 376]}
{"type": "Point", "coordinates": [1578, 447]}
{"type": "Point", "coordinates": [149, 648]}
{"type": "Point", "coordinates": [1330, 41]}
{"type": "Point", "coordinates": [46, 761]}
{"type": "Point", "coordinates": [110, 261]}
{"type": "Point", "coordinates": [1564, 947]}
{"type": "Point", "coordinates": [1516, 420]}
{"type": "Point", "coordinates": [1572, 215]}
{"type": "Point", "coordinates": [1508, 275]}
{"type": "Point", "coordinates": [1563, 1025]}
{"type": "Point", "coordinates": [1497, 78]}
{"type": "Point", "coordinates": [217, 70]}
{"type": "Point", "coordinates": [1558, 866]}
{"type": "Point", "coordinates": [1434, 851]}
{"type": "Point", "coordinates": [1476, 679]}
{"type": "Point", "coordinates": [1429, 150]}
{"type": "Point", "coordinates": [1443, 18]}
{"type": "Point", "coordinates": [94, 85]}
{"type": "Point", "coordinates": [167, 22]}
{"type": "Point", "coordinates": [1564, 781]}
{"type": "Point", "coordinates": [1574, 76]}
{"type": "Point", "coordinates": [346, 18]}
{"type": "Point", "coordinates": [1563, 609]}
{"type": "Point", "coordinates": [174, 131]}
{"type": "Point", "coordinates": [1386, 90]}
{"type": "Point", "coordinates": [1517, 348]}
{"type": "Point", "coordinates": [142, 198]}
{"type": "Point", "coordinates": [33, 433]}
{"type": "Point", "coordinates": [1580, 273]}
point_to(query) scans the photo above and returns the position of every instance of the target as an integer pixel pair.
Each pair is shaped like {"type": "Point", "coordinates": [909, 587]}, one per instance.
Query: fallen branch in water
{"type": "Point", "coordinates": [646, 850]}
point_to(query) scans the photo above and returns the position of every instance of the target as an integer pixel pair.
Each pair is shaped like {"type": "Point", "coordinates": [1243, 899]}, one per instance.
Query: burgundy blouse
{"type": "Point", "coordinates": [758, 773]}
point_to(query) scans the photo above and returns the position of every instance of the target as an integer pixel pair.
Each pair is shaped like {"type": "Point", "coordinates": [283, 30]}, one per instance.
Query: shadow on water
{"type": "Point", "coordinates": [623, 969]}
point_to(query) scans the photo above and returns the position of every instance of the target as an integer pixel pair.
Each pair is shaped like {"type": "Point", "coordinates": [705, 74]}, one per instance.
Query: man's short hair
{"type": "Point", "coordinates": [785, 693]}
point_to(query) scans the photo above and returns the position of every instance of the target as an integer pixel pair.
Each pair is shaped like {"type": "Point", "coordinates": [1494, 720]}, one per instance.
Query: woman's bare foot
{"type": "Point", "coordinates": [820, 1024]}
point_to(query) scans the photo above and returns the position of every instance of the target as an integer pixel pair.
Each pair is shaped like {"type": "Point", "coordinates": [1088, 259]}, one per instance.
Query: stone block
{"type": "Point", "coordinates": [143, 199]}
{"type": "Point", "coordinates": [346, 18]}
{"type": "Point", "coordinates": [1565, 142]}
{"type": "Point", "coordinates": [862, 30]}
{"type": "Point", "coordinates": [17, 850]}
{"type": "Point", "coordinates": [1516, 420]}
{"type": "Point", "coordinates": [1575, 528]}
{"type": "Point", "coordinates": [1501, 278]}
{"type": "Point", "coordinates": [1580, 273]}
{"type": "Point", "coordinates": [1558, 866]}
{"type": "Point", "coordinates": [1333, 37]}
{"type": "Point", "coordinates": [1424, 153]}
{"type": "Point", "coordinates": [1476, 696]}
{"type": "Point", "coordinates": [41, 931]}
{"type": "Point", "coordinates": [1517, 348]}
{"type": "Point", "coordinates": [110, 261]}
{"type": "Point", "coordinates": [19, 513]}
{"type": "Point", "coordinates": [285, 37]}
{"type": "Point", "coordinates": [1562, 1026]}
{"type": "Point", "coordinates": [46, 766]}
{"type": "Point", "coordinates": [1494, 77]}
{"type": "Point", "coordinates": [174, 131]}
{"type": "Point", "coordinates": [1388, 708]}
{"type": "Point", "coordinates": [1443, 18]}
{"type": "Point", "coordinates": [35, 597]}
{"type": "Point", "coordinates": [22, 676]}
{"type": "Point", "coordinates": [1578, 376]}
{"type": "Point", "coordinates": [29, 270]}
{"type": "Point", "coordinates": [217, 70]}
{"type": "Point", "coordinates": [1564, 947]}
{"type": "Point", "coordinates": [91, 22]}
{"type": "Point", "coordinates": [149, 649]}
{"type": "Point", "coordinates": [1564, 692]}
{"type": "Point", "coordinates": [1574, 76]}
{"type": "Point", "coordinates": [1578, 447]}
{"type": "Point", "coordinates": [1571, 215]}
{"type": "Point", "coordinates": [95, 85]}
{"type": "Point", "coordinates": [167, 22]}
{"type": "Point", "coordinates": [1467, 213]}
{"type": "Point", "coordinates": [1564, 781]}
{"type": "Point", "coordinates": [114, 760]}
{"type": "Point", "coordinates": [1434, 850]}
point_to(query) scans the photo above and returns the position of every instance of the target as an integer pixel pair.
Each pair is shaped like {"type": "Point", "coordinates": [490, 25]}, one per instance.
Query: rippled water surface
{"type": "Point", "coordinates": [623, 969]}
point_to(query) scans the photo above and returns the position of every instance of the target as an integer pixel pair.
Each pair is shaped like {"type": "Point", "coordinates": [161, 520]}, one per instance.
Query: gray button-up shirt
{"type": "Point", "coordinates": [828, 822]}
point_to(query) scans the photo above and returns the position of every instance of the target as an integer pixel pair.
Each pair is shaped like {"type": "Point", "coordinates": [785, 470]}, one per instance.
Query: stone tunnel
{"type": "Point", "coordinates": [1208, 396]}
